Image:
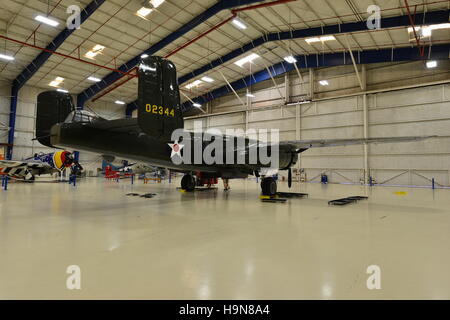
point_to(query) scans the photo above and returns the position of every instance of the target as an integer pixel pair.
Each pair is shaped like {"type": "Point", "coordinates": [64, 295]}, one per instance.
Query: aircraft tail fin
{"type": "Point", "coordinates": [159, 108]}
{"type": "Point", "coordinates": [52, 107]}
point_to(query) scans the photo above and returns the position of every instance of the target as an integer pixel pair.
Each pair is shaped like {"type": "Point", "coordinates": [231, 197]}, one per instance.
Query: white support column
{"type": "Point", "coordinates": [298, 125]}
{"type": "Point", "coordinates": [249, 106]}
{"type": "Point", "coordinates": [287, 91]}
{"type": "Point", "coordinates": [311, 83]}
{"type": "Point", "coordinates": [366, 124]}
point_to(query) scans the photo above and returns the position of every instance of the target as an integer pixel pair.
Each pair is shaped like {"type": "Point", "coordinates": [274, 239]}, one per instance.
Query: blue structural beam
{"type": "Point", "coordinates": [113, 76]}
{"type": "Point", "coordinates": [436, 52]}
{"type": "Point", "coordinates": [37, 63]}
{"type": "Point", "coordinates": [432, 17]}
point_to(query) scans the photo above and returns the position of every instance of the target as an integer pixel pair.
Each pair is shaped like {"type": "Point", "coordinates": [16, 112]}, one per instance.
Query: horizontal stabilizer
{"type": "Point", "coordinates": [52, 107]}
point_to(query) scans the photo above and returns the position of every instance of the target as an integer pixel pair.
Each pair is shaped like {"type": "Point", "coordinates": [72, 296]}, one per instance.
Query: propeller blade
{"type": "Point", "coordinates": [290, 178]}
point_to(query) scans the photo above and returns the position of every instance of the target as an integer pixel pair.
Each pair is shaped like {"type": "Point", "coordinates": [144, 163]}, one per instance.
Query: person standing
{"type": "Point", "coordinates": [226, 184]}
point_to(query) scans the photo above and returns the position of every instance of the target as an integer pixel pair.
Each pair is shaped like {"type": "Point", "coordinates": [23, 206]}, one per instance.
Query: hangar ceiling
{"type": "Point", "coordinates": [125, 35]}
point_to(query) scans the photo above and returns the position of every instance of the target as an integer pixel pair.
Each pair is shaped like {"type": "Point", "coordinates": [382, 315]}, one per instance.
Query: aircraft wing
{"type": "Point", "coordinates": [21, 169]}
{"type": "Point", "coordinates": [302, 145]}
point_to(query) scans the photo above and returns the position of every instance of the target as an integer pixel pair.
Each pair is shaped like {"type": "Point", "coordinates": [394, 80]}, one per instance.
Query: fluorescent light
{"type": "Point", "coordinates": [320, 39]}
{"type": "Point", "coordinates": [440, 26]}
{"type": "Point", "coordinates": [196, 83]}
{"type": "Point", "coordinates": [144, 56]}
{"type": "Point", "coordinates": [426, 32]}
{"type": "Point", "coordinates": [431, 27]}
{"type": "Point", "coordinates": [197, 105]}
{"type": "Point", "coordinates": [432, 64]}
{"type": "Point", "coordinates": [324, 82]}
{"type": "Point", "coordinates": [290, 59]}
{"type": "Point", "coordinates": [95, 51]}
{"type": "Point", "coordinates": [208, 79]}
{"type": "Point", "coordinates": [90, 55]}
{"type": "Point", "coordinates": [248, 58]}
{"type": "Point", "coordinates": [46, 20]}
{"type": "Point", "coordinates": [143, 12]}
{"type": "Point", "coordinates": [56, 82]}
{"type": "Point", "coordinates": [62, 90]}
{"type": "Point", "coordinates": [119, 102]}
{"type": "Point", "coordinates": [98, 47]}
{"type": "Point", "coordinates": [250, 95]}
{"type": "Point", "coordinates": [238, 23]}
{"type": "Point", "coordinates": [156, 3]}
{"type": "Point", "coordinates": [6, 57]}
{"type": "Point", "coordinates": [311, 40]}
{"type": "Point", "coordinates": [327, 38]}
{"type": "Point", "coordinates": [94, 79]}
{"type": "Point", "coordinates": [300, 102]}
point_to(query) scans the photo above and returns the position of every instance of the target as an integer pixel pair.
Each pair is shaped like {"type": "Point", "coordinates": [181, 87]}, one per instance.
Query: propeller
{"type": "Point", "coordinates": [289, 178]}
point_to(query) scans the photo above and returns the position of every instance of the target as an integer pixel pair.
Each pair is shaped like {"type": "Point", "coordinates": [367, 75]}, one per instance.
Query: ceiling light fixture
{"type": "Point", "coordinates": [299, 102]}
{"type": "Point", "coordinates": [6, 57]}
{"type": "Point", "coordinates": [156, 3]}
{"type": "Point", "coordinates": [196, 83]}
{"type": "Point", "coordinates": [320, 39]}
{"type": "Point", "coordinates": [94, 79]}
{"type": "Point", "coordinates": [248, 58]}
{"type": "Point", "coordinates": [250, 95]}
{"type": "Point", "coordinates": [324, 82]}
{"type": "Point", "coordinates": [55, 83]}
{"type": "Point", "coordinates": [143, 12]}
{"type": "Point", "coordinates": [46, 20]}
{"type": "Point", "coordinates": [238, 23]}
{"type": "Point", "coordinates": [208, 79]}
{"type": "Point", "coordinates": [290, 59]}
{"type": "Point", "coordinates": [95, 51]}
{"type": "Point", "coordinates": [427, 31]}
{"type": "Point", "coordinates": [197, 105]}
{"type": "Point", "coordinates": [119, 102]}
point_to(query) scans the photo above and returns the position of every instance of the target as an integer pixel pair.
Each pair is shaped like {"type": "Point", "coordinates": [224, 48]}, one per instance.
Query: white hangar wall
{"type": "Point", "coordinates": [24, 146]}
{"type": "Point", "coordinates": [402, 99]}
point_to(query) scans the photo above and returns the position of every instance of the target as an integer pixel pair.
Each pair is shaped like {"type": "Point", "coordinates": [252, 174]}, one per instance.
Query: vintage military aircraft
{"type": "Point", "coordinates": [42, 163]}
{"type": "Point", "coordinates": [149, 137]}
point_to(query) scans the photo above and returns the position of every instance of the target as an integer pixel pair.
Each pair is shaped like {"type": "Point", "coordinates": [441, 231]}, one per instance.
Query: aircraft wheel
{"type": "Point", "coordinates": [269, 186]}
{"type": "Point", "coordinates": [188, 182]}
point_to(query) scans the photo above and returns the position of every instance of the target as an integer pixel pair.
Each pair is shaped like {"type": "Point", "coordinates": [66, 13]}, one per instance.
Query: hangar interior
{"type": "Point", "coordinates": [317, 72]}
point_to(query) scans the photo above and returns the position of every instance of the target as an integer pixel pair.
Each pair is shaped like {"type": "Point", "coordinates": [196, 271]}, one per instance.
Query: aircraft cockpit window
{"type": "Point", "coordinates": [82, 116]}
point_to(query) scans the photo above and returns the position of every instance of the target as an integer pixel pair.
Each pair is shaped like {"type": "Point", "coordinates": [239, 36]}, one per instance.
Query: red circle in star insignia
{"type": "Point", "coordinates": [176, 148]}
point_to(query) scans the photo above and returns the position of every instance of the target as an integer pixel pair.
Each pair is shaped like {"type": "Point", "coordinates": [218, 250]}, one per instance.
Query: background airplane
{"type": "Point", "coordinates": [37, 165]}
{"type": "Point", "coordinates": [147, 138]}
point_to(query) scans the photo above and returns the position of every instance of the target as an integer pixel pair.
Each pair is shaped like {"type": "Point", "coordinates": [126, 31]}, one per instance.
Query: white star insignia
{"type": "Point", "coordinates": [176, 148]}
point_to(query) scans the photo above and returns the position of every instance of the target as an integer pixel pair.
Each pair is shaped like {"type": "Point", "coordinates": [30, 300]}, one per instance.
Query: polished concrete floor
{"type": "Point", "coordinates": [218, 245]}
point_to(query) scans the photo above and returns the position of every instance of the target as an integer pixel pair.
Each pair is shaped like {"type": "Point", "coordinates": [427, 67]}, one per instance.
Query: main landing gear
{"type": "Point", "coordinates": [188, 183]}
{"type": "Point", "coordinates": [269, 186]}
